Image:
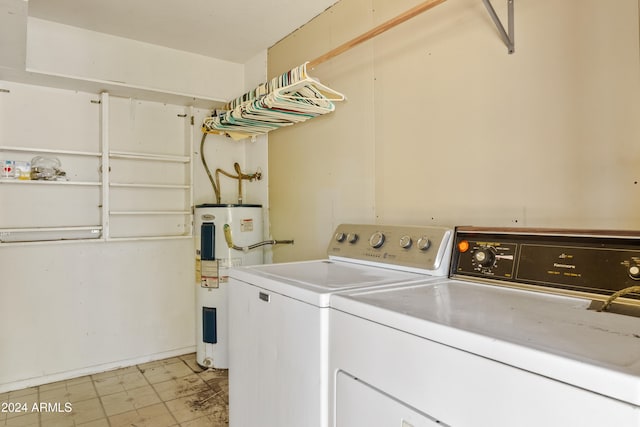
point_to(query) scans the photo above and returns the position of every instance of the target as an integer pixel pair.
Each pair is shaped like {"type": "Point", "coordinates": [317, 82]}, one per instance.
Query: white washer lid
{"type": "Point", "coordinates": [314, 281]}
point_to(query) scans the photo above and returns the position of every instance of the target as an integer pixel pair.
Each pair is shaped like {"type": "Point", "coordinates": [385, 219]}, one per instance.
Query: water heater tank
{"type": "Point", "coordinates": [213, 260]}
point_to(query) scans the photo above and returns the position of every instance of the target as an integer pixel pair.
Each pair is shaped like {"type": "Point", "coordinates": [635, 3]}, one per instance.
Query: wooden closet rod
{"type": "Point", "coordinates": [423, 7]}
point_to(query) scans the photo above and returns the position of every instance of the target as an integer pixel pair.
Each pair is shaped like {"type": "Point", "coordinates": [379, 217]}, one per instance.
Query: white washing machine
{"type": "Point", "coordinates": [214, 257]}
{"type": "Point", "coordinates": [512, 339]}
{"type": "Point", "coordinates": [278, 317]}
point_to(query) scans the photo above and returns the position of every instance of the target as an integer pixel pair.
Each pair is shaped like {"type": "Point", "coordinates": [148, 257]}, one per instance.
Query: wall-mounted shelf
{"type": "Point", "coordinates": [135, 186]}
{"type": "Point", "coordinates": [507, 36]}
{"type": "Point", "coordinates": [43, 78]}
{"type": "Point", "coordinates": [150, 213]}
{"type": "Point", "coordinates": [50, 151]}
{"type": "Point", "coordinates": [81, 162]}
{"type": "Point", "coordinates": [148, 156]}
{"type": "Point", "coordinates": [407, 15]}
{"type": "Point", "coordinates": [142, 238]}
{"type": "Point", "coordinates": [158, 186]}
{"type": "Point", "coordinates": [149, 170]}
{"type": "Point", "coordinates": [54, 183]}
{"type": "Point", "coordinates": [35, 234]}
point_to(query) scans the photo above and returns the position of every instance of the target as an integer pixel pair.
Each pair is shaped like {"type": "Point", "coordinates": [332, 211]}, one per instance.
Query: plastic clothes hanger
{"type": "Point", "coordinates": [292, 97]}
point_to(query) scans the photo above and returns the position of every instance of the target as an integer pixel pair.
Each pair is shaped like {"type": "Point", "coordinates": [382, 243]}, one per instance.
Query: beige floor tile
{"type": "Point", "coordinates": [80, 412]}
{"type": "Point", "coordinates": [150, 416]}
{"type": "Point", "coordinates": [52, 386]}
{"type": "Point", "coordinates": [197, 396]}
{"type": "Point", "coordinates": [156, 363]}
{"type": "Point", "coordinates": [102, 422]}
{"type": "Point", "coordinates": [115, 372]}
{"type": "Point", "coordinates": [181, 387]}
{"type": "Point", "coordinates": [4, 397]}
{"type": "Point", "coordinates": [21, 405]}
{"type": "Point", "coordinates": [187, 357]}
{"type": "Point", "coordinates": [23, 397]}
{"type": "Point", "coordinates": [57, 422]}
{"type": "Point", "coordinates": [208, 421]}
{"type": "Point", "coordinates": [167, 372]}
{"type": "Point", "coordinates": [24, 420]}
{"type": "Point", "coordinates": [23, 392]}
{"type": "Point", "coordinates": [193, 365]}
{"type": "Point", "coordinates": [211, 374]}
{"type": "Point", "coordinates": [196, 406]}
{"type": "Point", "coordinates": [219, 385]}
{"type": "Point", "coordinates": [87, 410]}
{"type": "Point", "coordinates": [69, 392]}
{"type": "Point", "coordinates": [79, 380]}
{"type": "Point", "coordinates": [115, 384]}
{"type": "Point", "coordinates": [129, 400]}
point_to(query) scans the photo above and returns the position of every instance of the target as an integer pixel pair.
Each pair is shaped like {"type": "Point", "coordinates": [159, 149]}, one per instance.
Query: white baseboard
{"type": "Point", "coordinates": [67, 375]}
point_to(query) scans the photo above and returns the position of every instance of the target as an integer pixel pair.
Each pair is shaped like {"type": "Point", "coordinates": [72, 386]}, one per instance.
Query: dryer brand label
{"type": "Point", "coordinates": [246, 225]}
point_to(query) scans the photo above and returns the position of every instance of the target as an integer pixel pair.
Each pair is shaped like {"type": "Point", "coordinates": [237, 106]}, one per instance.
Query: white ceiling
{"type": "Point", "coordinates": [233, 30]}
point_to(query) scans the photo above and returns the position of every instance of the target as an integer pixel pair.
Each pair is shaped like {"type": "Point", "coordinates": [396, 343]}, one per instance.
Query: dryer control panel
{"type": "Point", "coordinates": [422, 249]}
{"type": "Point", "coordinates": [595, 262]}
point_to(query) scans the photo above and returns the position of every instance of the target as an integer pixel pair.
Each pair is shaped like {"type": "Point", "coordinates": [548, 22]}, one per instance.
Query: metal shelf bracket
{"type": "Point", "coordinates": [507, 38]}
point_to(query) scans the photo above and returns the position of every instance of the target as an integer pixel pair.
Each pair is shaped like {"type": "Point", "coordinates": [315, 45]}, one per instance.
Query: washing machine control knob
{"type": "Point", "coordinates": [405, 242]}
{"type": "Point", "coordinates": [376, 240]}
{"type": "Point", "coordinates": [352, 238]}
{"type": "Point", "coordinates": [340, 237]}
{"type": "Point", "coordinates": [634, 272]}
{"type": "Point", "coordinates": [423, 243]}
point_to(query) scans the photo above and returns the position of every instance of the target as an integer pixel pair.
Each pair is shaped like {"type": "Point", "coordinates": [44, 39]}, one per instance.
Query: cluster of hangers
{"type": "Point", "coordinates": [292, 97]}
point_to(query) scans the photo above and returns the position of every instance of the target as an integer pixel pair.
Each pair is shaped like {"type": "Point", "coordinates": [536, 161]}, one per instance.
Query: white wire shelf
{"type": "Point", "coordinates": [63, 228]}
{"type": "Point", "coordinates": [163, 237]}
{"type": "Point", "coordinates": [159, 186]}
{"type": "Point", "coordinates": [146, 156]}
{"type": "Point", "coordinates": [150, 213]}
{"type": "Point", "coordinates": [131, 187]}
{"type": "Point", "coordinates": [48, 234]}
{"type": "Point", "coordinates": [43, 182]}
{"type": "Point", "coordinates": [50, 151]}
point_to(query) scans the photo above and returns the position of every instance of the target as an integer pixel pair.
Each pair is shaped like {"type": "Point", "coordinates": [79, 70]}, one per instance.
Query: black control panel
{"type": "Point", "coordinates": [596, 262]}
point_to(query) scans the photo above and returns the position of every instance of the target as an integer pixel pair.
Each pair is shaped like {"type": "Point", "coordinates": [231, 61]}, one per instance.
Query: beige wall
{"type": "Point", "coordinates": [442, 126]}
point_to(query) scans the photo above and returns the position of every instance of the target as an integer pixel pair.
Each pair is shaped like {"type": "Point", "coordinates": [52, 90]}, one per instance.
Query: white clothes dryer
{"type": "Point", "coordinates": [513, 338]}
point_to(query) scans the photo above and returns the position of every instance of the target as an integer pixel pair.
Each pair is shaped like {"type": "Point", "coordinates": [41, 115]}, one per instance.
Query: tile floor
{"type": "Point", "coordinates": [165, 393]}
